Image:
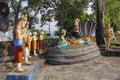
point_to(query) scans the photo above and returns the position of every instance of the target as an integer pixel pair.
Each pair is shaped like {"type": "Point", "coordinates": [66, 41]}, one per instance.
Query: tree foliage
{"type": "Point", "coordinates": [63, 11]}
{"type": "Point", "coordinates": [112, 13]}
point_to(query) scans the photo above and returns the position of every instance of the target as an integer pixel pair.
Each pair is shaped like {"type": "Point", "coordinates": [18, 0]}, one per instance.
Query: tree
{"type": "Point", "coordinates": [32, 9]}
{"type": "Point", "coordinates": [100, 22]}
{"type": "Point", "coordinates": [112, 12]}
{"type": "Point", "coordinates": [65, 11]}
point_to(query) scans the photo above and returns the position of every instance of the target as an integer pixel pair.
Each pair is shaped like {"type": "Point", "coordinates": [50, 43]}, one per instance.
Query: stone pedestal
{"type": "Point", "coordinates": [72, 54]}
{"type": "Point", "coordinates": [29, 74]}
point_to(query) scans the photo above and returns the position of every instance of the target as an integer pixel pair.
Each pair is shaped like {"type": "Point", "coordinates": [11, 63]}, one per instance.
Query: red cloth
{"type": "Point", "coordinates": [34, 44]}
{"type": "Point", "coordinates": [18, 54]}
{"type": "Point", "coordinates": [29, 45]}
{"type": "Point", "coordinates": [76, 29]}
{"type": "Point", "coordinates": [40, 44]}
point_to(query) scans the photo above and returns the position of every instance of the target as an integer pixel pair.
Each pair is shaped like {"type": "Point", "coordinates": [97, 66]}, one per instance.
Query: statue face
{"type": "Point", "coordinates": [30, 33]}
{"type": "Point", "coordinates": [41, 33]}
{"type": "Point", "coordinates": [23, 24]}
{"type": "Point", "coordinates": [24, 19]}
{"type": "Point", "coordinates": [34, 33]}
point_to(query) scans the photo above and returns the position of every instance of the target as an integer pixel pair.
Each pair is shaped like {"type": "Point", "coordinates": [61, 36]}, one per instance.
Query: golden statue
{"type": "Point", "coordinates": [75, 32]}
{"type": "Point", "coordinates": [26, 46]}
{"type": "Point", "coordinates": [34, 43]}
{"type": "Point", "coordinates": [29, 41]}
{"type": "Point", "coordinates": [108, 36]}
{"type": "Point", "coordinates": [18, 34]}
{"type": "Point", "coordinates": [41, 38]}
{"type": "Point", "coordinates": [63, 41]}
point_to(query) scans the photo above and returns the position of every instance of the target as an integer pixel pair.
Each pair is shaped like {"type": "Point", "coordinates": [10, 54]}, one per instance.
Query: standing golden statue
{"type": "Point", "coordinates": [26, 46]}
{"type": "Point", "coordinates": [29, 41]}
{"type": "Point", "coordinates": [41, 38]}
{"type": "Point", "coordinates": [108, 36]}
{"type": "Point", "coordinates": [34, 43]}
{"type": "Point", "coordinates": [76, 29]}
{"type": "Point", "coordinates": [18, 34]}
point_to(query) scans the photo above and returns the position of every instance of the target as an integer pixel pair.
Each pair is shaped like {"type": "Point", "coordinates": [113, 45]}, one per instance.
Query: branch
{"type": "Point", "coordinates": [59, 9]}
{"type": "Point", "coordinates": [12, 4]}
{"type": "Point", "coordinates": [37, 11]}
{"type": "Point", "coordinates": [18, 10]}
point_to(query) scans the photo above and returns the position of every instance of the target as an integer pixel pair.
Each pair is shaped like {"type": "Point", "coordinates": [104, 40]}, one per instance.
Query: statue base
{"type": "Point", "coordinates": [72, 54]}
{"type": "Point", "coordinates": [28, 74]}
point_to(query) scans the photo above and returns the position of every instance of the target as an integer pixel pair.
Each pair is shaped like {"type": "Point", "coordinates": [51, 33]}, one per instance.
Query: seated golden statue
{"type": "Point", "coordinates": [63, 42]}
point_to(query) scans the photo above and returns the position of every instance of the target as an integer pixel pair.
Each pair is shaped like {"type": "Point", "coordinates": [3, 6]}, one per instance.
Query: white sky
{"type": "Point", "coordinates": [89, 10]}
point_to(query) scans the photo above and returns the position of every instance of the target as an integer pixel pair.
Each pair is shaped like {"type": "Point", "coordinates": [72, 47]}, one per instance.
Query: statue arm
{"type": "Point", "coordinates": [64, 40]}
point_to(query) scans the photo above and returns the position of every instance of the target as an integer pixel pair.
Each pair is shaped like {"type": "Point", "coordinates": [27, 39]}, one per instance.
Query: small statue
{"type": "Point", "coordinates": [63, 41]}
{"type": "Point", "coordinates": [29, 41]}
{"type": "Point", "coordinates": [18, 34]}
{"type": "Point", "coordinates": [77, 22]}
{"type": "Point", "coordinates": [26, 50]}
{"type": "Point", "coordinates": [41, 37]}
{"type": "Point", "coordinates": [34, 43]}
{"type": "Point", "coordinates": [108, 36]}
{"type": "Point", "coordinates": [76, 28]}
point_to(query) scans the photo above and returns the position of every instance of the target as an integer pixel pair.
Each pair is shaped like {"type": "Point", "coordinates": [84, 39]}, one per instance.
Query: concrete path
{"type": "Point", "coordinates": [100, 68]}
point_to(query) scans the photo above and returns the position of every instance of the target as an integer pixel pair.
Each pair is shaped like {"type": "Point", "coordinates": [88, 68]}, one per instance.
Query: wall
{"type": "Point", "coordinates": [7, 48]}
{"type": "Point", "coordinates": [6, 51]}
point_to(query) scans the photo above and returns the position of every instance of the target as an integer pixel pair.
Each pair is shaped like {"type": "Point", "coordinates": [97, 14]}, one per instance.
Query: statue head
{"type": "Point", "coordinates": [29, 32]}
{"type": "Point", "coordinates": [108, 27]}
{"type": "Point", "coordinates": [34, 33]}
{"type": "Point", "coordinates": [24, 17]}
{"type": "Point", "coordinates": [41, 32]}
{"type": "Point", "coordinates": [63, 32]}
{"type": "Point", "coordinates": [77, 21]}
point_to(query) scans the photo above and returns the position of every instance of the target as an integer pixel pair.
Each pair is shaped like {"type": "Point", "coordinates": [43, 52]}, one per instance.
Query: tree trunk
{"type": "Point", "coordinates": [18, 10]}
{"type": "Point", "coordinates": [100, 22]}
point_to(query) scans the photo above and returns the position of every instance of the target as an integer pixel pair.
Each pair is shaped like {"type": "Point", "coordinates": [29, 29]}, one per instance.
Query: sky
{"type": "Point", "coordinates": [53, 26]}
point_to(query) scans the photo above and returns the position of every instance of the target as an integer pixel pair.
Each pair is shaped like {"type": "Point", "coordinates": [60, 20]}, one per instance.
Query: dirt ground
{"type": "Point", "coordinates": [99, 68]}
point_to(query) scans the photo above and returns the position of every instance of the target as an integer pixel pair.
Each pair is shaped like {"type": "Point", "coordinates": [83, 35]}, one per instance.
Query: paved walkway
{"type": "Point", "coordinates": [100, 68]}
